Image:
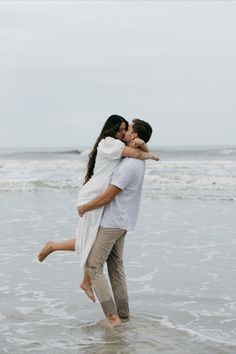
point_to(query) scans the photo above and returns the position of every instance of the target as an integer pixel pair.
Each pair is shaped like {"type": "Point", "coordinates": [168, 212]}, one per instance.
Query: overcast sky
{"type": "Point", "coordinates": [65, 66]}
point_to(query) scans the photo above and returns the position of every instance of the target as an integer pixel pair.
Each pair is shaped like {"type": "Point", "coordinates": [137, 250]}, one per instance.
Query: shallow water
{"type": "Point", "coordinates": [180, 265]}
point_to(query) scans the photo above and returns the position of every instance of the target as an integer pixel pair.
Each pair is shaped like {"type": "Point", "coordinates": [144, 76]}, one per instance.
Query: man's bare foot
{"type": "Point", "coordinates": [45, 251]}
{"type": "Point", "coordinates": [88, 290]}
{"type": "Point", "coordinates": [114, 320]}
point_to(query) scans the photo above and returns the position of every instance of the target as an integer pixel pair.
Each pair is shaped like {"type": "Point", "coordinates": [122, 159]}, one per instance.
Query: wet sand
{"type": "Point", "coordinates": [180, 265]}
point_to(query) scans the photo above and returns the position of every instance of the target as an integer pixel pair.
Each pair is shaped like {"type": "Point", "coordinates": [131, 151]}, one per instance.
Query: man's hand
{"type": "Point", "coordinates": [102, 199]}
{"type": "Point", "coordinates": [80, 211]}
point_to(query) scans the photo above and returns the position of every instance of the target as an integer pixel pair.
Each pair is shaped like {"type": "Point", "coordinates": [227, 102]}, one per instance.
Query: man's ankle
{"type": "Point", "coordinates": [114, 320]}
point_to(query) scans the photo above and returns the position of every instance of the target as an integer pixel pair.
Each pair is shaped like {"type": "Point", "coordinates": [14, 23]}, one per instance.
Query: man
{"type": "Point", "coordinates": [122, 200]}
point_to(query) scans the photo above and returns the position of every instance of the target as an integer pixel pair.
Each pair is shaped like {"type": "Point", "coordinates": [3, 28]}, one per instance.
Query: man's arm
{"type": "Point", "coordinates": [102, 199]}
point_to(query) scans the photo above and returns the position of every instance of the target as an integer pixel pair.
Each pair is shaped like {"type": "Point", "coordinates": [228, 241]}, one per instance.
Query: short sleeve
{"type": "Point", "coordinates": [110, 148]}
{"type": "Point", "coordinates": [123, 175]}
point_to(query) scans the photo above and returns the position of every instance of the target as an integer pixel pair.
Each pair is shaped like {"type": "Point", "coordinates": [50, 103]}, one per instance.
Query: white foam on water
{"type": "Point", "coordinates": [2, 316]}
{"type": "Point", "coordinates": [165, 321]}
{"type": "Point", "coordinates": [25, 310]}
{"type": "Point", "coordinates": [24, 331]}
{"type": "Point", "coordinates": [145, 289]}
{"type": "Point", "coordinates": [174, 179]}
{"type": "Point", "coordinates": [146, 277]}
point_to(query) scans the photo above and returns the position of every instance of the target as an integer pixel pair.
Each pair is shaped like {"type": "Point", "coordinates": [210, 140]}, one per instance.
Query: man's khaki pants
{"type": "Point", "coordinates": [108, 247]}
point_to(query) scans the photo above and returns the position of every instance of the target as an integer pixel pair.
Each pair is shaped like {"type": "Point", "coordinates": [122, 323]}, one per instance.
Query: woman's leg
{"type": "Point", "coordinates": [86, 285]}
{"type": "Point", "coordinates": [50, 246]}
{"type": "Point", "coordinates": [67, 245]}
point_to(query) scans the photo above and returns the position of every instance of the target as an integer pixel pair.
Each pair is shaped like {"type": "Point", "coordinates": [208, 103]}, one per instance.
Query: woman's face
{"type": "Point", "coordinates": [120, 134]}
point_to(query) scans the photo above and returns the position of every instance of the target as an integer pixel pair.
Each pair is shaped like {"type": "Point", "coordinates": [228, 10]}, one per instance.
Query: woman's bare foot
{"type": "Point", "coordinates": [114, 320]}
{"type": "Point", "coordinates": [45, 251]}
{"type": "Point", "coordinates": [88, 290]}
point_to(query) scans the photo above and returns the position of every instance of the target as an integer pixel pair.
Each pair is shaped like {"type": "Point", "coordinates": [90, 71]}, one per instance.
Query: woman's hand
{"type": "Point", "coordinates": [138, 142]}
{"type": "Point", "coordinates": [156, 157]}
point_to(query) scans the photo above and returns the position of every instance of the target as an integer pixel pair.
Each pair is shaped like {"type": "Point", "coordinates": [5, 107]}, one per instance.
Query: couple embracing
{"type": "Point", "coordinates": [108, 205]}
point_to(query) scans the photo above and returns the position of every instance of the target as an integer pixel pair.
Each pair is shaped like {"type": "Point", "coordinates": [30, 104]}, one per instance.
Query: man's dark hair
{"type": "Point", "coordinates": [143, 129]}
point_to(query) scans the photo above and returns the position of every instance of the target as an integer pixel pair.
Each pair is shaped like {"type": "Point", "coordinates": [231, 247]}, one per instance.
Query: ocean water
{"type": "Point", "coordinates": [188, 172]}
{"type": "Point", "coordinates": [180, 261]}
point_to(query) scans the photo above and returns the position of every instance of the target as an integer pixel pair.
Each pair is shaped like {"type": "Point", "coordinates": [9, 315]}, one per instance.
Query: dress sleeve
{"type": "Point", "coordinates": [110, 148]}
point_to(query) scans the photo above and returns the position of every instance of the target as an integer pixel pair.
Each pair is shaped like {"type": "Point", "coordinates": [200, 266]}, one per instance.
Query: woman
{"type": "Point", "coordinates": [103, 159]}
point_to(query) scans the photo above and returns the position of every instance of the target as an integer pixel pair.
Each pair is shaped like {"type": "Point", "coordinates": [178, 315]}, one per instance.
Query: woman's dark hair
{"type": "Point", "coordinates": [110, 128]}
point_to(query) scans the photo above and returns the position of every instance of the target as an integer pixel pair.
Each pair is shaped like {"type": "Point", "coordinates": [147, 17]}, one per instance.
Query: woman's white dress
{"type": "Point", "coordinates": [108, 156]}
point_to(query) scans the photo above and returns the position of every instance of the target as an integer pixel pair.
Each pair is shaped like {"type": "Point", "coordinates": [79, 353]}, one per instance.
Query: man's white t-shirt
{"type": "Point", "coordinates": [122, 212]}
